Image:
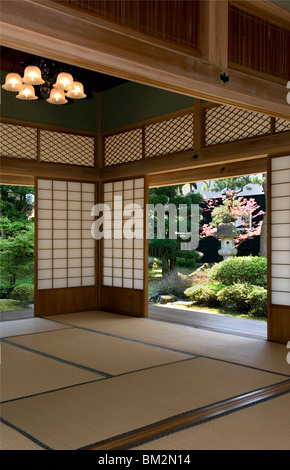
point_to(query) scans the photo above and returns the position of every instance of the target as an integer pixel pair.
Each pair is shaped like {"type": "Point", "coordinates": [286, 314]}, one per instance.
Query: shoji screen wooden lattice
{"type": "Point", "coordinates": [279, 248]}
{"type": "Point", "coordinates": [124, 247]}
{"type": "Point", "coordinates": [65, 278]}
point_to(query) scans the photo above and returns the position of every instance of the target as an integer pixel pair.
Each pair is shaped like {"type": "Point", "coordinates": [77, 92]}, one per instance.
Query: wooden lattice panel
{"type": "Point", "coordinates": [229, 124]}
{"type": "Point", "coordinates": [71, 149]}
{"type": "Point", "coordinates": [123, 147]}
{"type": "Point", "coordinates": [18, 141]}
{"type": "Point", "coordinates": [173, 135]}
{"type": "Point", "coordinates": [282, 125]}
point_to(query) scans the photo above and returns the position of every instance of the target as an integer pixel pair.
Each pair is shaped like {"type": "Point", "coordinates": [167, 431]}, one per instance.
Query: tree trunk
{"type": "Point", "coordinates": [165, 264]}
{"type": "Point", "coordinates": [263, 235]}
{"type": "Point", "coordinates": [173, 265]}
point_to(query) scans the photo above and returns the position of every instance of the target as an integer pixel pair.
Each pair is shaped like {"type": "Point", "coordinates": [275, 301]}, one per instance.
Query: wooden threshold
{"type": "Point", "coordinates": [192, 418]}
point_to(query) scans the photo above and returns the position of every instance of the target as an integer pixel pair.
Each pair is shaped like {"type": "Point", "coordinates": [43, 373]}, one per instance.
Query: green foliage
{"type": "Point", "coordinates": [206, 294]}
{"type": "Point", "coordinates": [168, 248]}
{"type": "Point", "coordinates": [247, 298]}
{"type": "Point", "coordinates": [188, 258]}
{"type": "Point", "coordinates": [16, 257]}
{"type": "Point", "coordinates": [257, 299]}
{"type": "Point", "coordinates": [235, 295]}
{"type": "Point", "coordinates": [241, 269]}
{"type": "Point", "coordinates": [173, 284]}
{"type": "Point", "coordinates": [24, 292]}
{"type": "Point", "coordinates": [236, 184]}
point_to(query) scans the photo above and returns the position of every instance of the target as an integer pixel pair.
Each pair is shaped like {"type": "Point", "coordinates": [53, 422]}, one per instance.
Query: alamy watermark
{"type": "Point", "coordinates": [126, 221]}
{"type": "Point", "coordinates": [288, 94]}
{"type": "Point", "coordinates": [288, 355]}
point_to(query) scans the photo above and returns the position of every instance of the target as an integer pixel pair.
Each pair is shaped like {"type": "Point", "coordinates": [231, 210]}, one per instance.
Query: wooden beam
{"type": "Point", "coordinates": [229, 170]}
{"type": "Point", "coordinates": [47, 28]}
{"type": "Point", "coordinates": [17, 180]}
{"type": "Point", "coordinates": [15, 167]}
{"type": "Point", "coordinates": [220, 154]}
{"type": "Point", "coordinates": [218, 33]}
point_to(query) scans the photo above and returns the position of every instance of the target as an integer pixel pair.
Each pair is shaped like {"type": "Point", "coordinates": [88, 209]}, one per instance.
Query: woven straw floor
{"type": "Point", "coordinates": [97, 375]}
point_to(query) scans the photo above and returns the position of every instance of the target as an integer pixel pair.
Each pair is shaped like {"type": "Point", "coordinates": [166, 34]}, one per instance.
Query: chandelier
{"type": "Point", "coordinates": [45, 79]}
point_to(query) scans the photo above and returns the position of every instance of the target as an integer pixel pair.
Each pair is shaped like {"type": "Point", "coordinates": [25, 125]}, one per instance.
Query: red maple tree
{"type": "Point", "coordinates": [238, 209]}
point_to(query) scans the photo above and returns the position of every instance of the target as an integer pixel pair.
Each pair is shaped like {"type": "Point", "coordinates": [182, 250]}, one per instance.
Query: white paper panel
{"type": "Point", "coordinates": [61, 218]}
{"type": "Point", "coordinates": [281, 163]}
{"type": "Point", "coordinates": [280, 217]}
{"type": "Point", "coordinates": [122, 253]}
{"type": "Point", "coordinates": [280, 243]}
{"type": "Point", "coordinates": [280, 298]}
{"type": "Point", "coordinates": [281, 285]}
{"type": "Point", "coordinates": [280, 230]}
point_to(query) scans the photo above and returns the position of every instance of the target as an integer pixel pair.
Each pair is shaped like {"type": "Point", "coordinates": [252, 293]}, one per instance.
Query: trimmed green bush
{"type": "Point", "coordinates": [205, 294]}
{"type": "Point", "coordinates": [242, 270]}
{"type": "Point", "coordinates": [247, 298]}
{"type": "Point", "coordinates": [257, 299]}
{"type": "Point", "coordinates": [23, 292]}
{"type": "Point", "coordinates": [237, 296]}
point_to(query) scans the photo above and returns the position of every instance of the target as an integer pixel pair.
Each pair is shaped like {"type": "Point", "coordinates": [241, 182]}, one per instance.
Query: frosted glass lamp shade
{"type": "Point", "coordinates": [13, 82]}
{"type": "Point", "coordinates": [27, 93]}
{"type": "Point", "coordinates": [32, 76]}
{"type": "Point", "coordinates": [64, 81]}
{"type": "Point", "coordinates": [77, 92]}
{"type": "Point", "coordinates": [57, 97]}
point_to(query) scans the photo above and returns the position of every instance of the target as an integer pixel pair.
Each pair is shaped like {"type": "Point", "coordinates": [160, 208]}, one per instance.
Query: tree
{"type": "Point", "coordinates": [237, 185]}
{"type": "Point", "coordinates": [247, 210]}
{"type": "Point", "coordinates": [17, 234]}
{"type": "Point", "coordinates": [169, 248]}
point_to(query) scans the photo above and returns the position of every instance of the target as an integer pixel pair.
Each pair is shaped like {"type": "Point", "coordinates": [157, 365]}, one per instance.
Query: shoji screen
{"type": "Point", "coordinates": [65, 249]}
{"type": "Point", "coordinates": [124, 248]}
{"type": "Point", "coordinates": [279, 248]}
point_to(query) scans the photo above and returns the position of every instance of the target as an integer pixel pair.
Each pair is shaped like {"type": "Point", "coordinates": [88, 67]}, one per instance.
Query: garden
{"type": "Point", "coordinates": [235, 284]}
{"type": "Point", "coordinates": [17, 247]}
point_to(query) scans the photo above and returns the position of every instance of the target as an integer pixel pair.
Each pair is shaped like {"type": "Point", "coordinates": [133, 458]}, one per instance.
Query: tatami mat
{"type": "Point", "coordinates": [247, 351]}
{"type": "Point", "coordinates": [28, 326]}
{"type": "Point", "coordinates": [103, 353]}
{"type": "Point", "coordinates": [79, 416]}
{"type": "Point", "coordinates": [25, 373]}
{"type": "Point", "coordinates": [264, 426]}
{"type": "Point", "coordinates": [14, 440]}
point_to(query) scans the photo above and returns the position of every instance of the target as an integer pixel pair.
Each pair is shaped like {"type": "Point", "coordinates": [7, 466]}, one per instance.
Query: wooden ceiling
{"type": "Point", "coordinates": [13, 60]}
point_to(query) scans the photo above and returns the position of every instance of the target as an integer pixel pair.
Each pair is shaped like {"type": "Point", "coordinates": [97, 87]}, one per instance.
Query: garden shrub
{"type": "Point", "coordinates": [236, 295]}
{"type": "Point", "coordinates": [241, 269]}
{"type": "Point", "coordinates": [173, 284]}
{"type": "Point", "coordinates": [205, 294]}
{"type": "Point", "coordinates": [257, 299]}
{"type": "Point", "coordinates": [23, 292]}
{"type": "Point", "coordinates": [247, 298]}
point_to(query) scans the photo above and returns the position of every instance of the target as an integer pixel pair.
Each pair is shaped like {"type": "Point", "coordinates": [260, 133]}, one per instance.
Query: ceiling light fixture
{"type": "Point", "coordinates": [54, 81]}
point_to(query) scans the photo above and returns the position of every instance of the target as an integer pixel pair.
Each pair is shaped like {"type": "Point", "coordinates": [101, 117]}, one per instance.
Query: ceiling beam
{"type": "Point", "coordinates": [57, 32]}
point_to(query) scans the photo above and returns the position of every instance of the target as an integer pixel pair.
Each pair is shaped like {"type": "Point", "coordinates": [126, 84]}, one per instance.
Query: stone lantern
{"type": "Point", "coordinates": [227, 231]}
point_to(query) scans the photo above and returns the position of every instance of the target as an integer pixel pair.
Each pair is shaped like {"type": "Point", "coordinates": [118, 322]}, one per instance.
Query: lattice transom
{"type": "Point", "coordinates": [73, 149]}
{"type": "Point", "coordinates": [123, 147]}
{"type": "Point", "coordinates": [227, 124]}
{"type": "Point", "coordinates": [18, 141]}
{"type": "Point", "coordinates": [173, 135]}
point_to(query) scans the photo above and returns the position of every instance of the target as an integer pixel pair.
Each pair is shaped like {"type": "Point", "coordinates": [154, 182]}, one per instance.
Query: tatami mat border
{"type": "Point", "coordinates": [193, 355]}
{"type": "Point", "coordinates": [133, 340]}
{"type": "Point", "coordinates": [101, 445]}
{"type": "Point", "coordinates": [25, 434]}
{"type": "Point", "coordinates": [55, 358]}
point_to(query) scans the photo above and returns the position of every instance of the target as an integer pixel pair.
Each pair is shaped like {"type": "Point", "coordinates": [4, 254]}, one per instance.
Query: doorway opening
{"type": "Point", "coordinates": [209, 287]}
{"type": "Point", "coordinates": [17, 252]}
